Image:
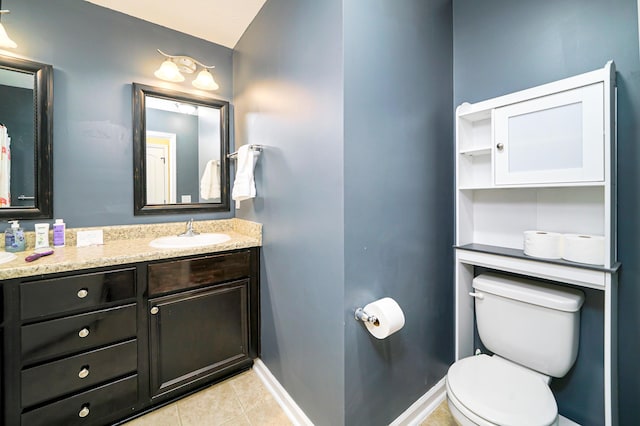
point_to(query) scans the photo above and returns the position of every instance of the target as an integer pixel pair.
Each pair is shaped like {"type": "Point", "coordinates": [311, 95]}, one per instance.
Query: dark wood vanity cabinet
{"type": "Point", "coordinates": [216, 335]}
{"type": "Point", "coordinates": [97, 347]}
{"type": "Point", "coordinates": [201, 306]}
{"type": "Point", "coordinates": [70, 341]}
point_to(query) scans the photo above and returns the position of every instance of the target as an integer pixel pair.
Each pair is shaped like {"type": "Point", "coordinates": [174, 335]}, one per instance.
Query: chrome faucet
{"type": "Point", "coordinates": [189, 232]}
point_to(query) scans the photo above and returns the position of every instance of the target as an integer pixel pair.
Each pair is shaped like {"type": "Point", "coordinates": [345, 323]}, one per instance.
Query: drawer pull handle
{"type": "Point", "coordinates": [82, 293]}
{"type": "Point", "coordinates": [500, 146]}
{"type": "Point", "coordinates": [84, 412]}
{"type": "Point", "coordinates": [84, 372]}
{"type": "Point", "coordinates": [83, 333]}
{"type": "Point", "coordinates": [155, 310]}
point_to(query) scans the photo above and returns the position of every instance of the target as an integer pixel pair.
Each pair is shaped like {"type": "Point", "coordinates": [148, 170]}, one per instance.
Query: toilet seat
{"type": "Point", "coordinates": [501, 392]}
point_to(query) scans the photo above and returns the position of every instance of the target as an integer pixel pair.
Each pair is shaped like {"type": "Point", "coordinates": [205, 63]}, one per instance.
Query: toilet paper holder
{"type": "Point", "coordinates": [361, 315]}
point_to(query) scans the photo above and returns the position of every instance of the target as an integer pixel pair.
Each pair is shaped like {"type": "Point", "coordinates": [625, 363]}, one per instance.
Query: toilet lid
{"type": "Point", "coordinates": [502, 393]}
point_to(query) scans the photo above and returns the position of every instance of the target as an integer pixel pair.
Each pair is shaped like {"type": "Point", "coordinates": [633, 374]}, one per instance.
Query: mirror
{"type": "Point", "coordinates": [26, 137]}
{"type": "Point", "coordinates": [180, 147]}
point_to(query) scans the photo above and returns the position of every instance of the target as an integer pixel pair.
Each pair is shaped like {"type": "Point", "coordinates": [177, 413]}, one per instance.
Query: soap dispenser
{"type": "Point", "coordinates": [14, 237]}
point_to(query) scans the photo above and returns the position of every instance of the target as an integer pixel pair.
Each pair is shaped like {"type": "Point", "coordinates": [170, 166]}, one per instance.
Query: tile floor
{"type": "Point", "coordinates": [440, 417]}
{"type": "Point", "coordinates": [240, 401]}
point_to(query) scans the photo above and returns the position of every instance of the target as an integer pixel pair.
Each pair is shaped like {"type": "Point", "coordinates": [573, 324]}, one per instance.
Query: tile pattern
{"type": "Point", "coordinates": [441, 416]}
{"type": "Point", "coordinates": [240, 401]}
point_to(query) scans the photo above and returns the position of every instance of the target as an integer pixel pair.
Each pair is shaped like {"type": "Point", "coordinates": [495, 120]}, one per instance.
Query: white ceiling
{"type": "Point", "coordinates": [219, 21]}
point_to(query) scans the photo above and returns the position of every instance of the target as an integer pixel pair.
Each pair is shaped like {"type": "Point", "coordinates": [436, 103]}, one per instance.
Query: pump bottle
{"type": "Point", "coordinates": [14, 237]}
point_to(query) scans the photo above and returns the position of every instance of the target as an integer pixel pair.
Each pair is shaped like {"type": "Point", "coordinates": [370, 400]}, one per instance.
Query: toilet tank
{"type": "Point", "coordinates": [529, 322]}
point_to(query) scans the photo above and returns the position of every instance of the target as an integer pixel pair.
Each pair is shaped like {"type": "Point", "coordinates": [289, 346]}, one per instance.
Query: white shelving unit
{"type": "Point", "coordinates": [567, 187]}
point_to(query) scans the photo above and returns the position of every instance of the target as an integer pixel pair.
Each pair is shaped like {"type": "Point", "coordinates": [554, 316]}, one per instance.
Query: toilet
{"type": "Point", "coordinates": [532, 328]}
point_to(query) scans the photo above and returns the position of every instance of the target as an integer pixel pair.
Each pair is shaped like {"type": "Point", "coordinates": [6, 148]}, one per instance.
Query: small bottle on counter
{"type": "Point", "coordinates": [42, 235]}
{"type": "Point", "coordinates": [14, 237]}
{"type": "Point", "coordinates": [59, 228]}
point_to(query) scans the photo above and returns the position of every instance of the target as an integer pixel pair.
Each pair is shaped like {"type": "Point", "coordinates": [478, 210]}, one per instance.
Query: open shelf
{"type": "Point", "coordinates": [476, 151]}
{"type": "Point", "coordinates": [519, 254]}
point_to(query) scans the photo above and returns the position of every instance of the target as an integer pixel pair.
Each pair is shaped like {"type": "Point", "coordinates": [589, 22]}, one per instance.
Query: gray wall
{"type": "Point", "coordinates": [96, 54]}
{"type": "Point", "coordinates": [501, 46]}
{"type": "Point", "coordinates": [288, 97]}
{"type": "Point", "coordinates": [398, 200]}
{"type": "Point", "coordinates": [390, 234]}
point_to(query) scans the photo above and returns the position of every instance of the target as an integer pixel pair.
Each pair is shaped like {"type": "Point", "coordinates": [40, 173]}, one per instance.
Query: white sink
{"type": "Point", "coordinates": [6, 256]}
{"type": "Point", "coordinates": [199, 240]}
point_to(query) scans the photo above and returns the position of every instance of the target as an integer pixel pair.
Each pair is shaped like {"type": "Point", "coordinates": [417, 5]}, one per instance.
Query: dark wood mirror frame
{"type": "Point", "coordinates": [43, 143]}
{"type": "Point", "coordinates": [140, 206]}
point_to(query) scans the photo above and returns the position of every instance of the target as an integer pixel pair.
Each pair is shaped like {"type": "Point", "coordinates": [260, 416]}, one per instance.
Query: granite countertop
{"type": "Point", "coordinates": [129, 244]}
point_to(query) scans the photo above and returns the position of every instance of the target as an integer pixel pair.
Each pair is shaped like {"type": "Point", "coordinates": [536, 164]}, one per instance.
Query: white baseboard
{"type": "Point", "coordinates": [289, 406]}
{"type": "Point", "coordinates": [415, 414]}
{"type": "Point", "coordinates": [412, 416]}
{"type": "Point", "coordinates": [424, 406]}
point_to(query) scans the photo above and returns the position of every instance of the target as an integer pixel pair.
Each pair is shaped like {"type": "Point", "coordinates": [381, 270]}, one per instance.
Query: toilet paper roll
{"type": "Point", "coordinates": [584, 248]}
{"type": "Point", "coordinates": [542, 244]}
{"type": "Point", "coordinates": [390, 317]}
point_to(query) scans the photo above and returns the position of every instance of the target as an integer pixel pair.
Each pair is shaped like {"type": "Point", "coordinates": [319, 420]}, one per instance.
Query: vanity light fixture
{"type": "Point", "coordinates": [5, 41]}
{"type": "Point", "coordinates": [174, 66]}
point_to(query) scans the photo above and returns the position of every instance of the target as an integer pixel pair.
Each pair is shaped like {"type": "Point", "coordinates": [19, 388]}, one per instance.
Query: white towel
{"type": "Point", "coordinates": [210, 182]}
{"type": "Point", "coordinates": [244, 186]}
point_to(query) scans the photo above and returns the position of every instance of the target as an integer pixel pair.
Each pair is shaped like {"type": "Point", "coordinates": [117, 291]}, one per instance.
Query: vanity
{"type": "Point", "coordinates": [96, 335]}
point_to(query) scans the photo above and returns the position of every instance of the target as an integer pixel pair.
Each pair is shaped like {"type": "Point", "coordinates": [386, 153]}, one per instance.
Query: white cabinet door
{"type": "Point", "coordinates": [552, 139]}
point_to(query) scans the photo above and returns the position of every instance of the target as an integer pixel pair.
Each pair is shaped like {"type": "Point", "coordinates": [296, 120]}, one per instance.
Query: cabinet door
{"type": "Point", "coordinates": [552, 139]}
{"type": "Point", "coordinates": [196, 333]}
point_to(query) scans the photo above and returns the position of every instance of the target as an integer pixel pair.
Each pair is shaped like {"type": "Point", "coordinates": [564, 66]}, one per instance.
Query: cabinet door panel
{"type": "Point", "coordinates": [196, 333]}
{"type": "Point", "coordinates": [52, 380]}
{"type": "Point", "coordinates": [93, 407]}
{"type": "Point", "coordinates": [87, 291]}
{"type": "Point", "coordinates": [557, 138]}
{"type": "Point", "coordinates": [64, 336]}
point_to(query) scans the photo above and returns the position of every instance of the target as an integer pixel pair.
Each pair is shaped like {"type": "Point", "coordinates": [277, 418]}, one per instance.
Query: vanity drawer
{"type": "Point", "coordinates": [88, 408]}
{"type": "Point", "coordinates": [55, 379]}
{"type": "Point", "coordinates": [77, 333]}
{"type": "Point", "coordinates": [189, 273]}
{"type": "Point", "coordinates": [87, 291]}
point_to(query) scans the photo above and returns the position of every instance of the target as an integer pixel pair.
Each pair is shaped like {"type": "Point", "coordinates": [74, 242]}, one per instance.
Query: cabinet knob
{"type": "Point", "coordinates": [84, 372]}
{"type": "Point", "coordinates": [155, 310]}
{"type": "Point", "coordinates": [84, 332]}
{"type": "Point", "coordinates": [82, 293]}
{"type": "Point", "coordinates": [500, 146]}
{"type": "Point", "coordinates": [84, 412]}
